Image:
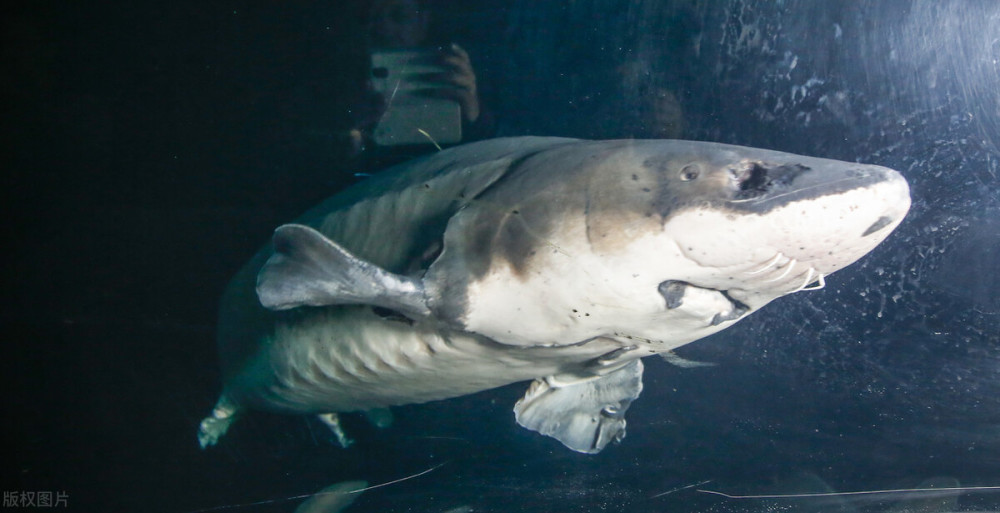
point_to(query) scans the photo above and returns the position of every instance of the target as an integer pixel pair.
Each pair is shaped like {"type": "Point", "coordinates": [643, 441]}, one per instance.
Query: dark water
{"type": "Point", "coordinates": [150, 149]}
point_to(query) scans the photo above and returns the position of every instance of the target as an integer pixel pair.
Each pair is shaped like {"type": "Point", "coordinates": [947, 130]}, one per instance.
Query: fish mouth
{"type": "Point", "coordinates": [739, 309]}
{"type": "Point", "coordinates": [673, 292]}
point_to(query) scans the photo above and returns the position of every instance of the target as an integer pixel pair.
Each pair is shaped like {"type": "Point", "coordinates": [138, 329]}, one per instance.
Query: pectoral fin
{"type": "Point", "coordinates": [308, 269]}
{"type": "Point", "coordinates": [585, 416]}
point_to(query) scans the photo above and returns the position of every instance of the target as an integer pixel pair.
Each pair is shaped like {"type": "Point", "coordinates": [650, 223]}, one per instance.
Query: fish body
{"type": "Point", "coordinates": [556, 260]}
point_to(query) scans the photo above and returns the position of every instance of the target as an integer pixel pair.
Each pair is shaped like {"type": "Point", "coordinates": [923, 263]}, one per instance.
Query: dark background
{"type": "Point", "coordinates": [149, 150]}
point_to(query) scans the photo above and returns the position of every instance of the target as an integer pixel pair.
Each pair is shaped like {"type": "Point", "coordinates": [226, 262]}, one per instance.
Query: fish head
{"type": "Point", "coordinates": [760, 224]}
{"type": "Point", "coordinates": [660, 240]}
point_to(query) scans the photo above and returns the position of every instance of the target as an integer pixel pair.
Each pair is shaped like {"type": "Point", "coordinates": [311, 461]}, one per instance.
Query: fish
{"type": "Point", "coordinates": [338, 497]}
{"type": "Point", "coordinates": [334, 498]}
{"type": "Point", "coordinates": [560, 262]}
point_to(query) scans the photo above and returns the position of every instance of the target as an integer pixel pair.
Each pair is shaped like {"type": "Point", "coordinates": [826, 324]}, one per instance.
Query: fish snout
{"type": "Point", "coordinates": [896, 192]}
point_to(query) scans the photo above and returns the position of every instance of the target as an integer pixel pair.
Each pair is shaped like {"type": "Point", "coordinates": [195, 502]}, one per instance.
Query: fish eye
{"type": "Point", "coordinates": [690, 172]}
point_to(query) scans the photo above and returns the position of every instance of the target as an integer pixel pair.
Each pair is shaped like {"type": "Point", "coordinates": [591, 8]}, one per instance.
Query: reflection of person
{"type": "Point", "coordinates": [657, 111]}
{"type": "Point", "coordinates": [400, 24]}
{"type": "Point", "coordinates": [308, 107]}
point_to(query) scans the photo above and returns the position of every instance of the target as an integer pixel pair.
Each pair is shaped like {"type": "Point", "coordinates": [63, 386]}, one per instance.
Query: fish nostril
{"type": "Point", "coordinates": [755, 179]}
{"type": "Point", "coordinates": [752, 180]}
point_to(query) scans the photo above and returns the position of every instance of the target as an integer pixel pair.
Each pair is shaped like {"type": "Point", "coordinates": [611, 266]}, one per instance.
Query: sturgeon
{"type": "Point", "coordinates": [557, 261]}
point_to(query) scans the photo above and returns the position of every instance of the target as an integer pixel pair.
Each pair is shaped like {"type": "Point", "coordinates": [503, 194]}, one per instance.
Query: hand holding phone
{"type": "Point", "coordinates": [421, 105]}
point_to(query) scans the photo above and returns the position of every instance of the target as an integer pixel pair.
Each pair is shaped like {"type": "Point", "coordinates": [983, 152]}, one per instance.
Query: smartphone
{"type": "Point", "coordinates": [409, 117]}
